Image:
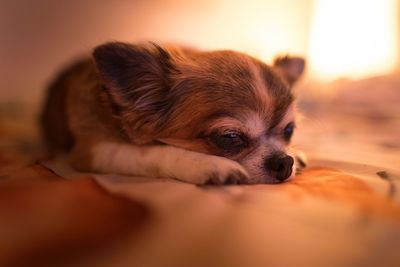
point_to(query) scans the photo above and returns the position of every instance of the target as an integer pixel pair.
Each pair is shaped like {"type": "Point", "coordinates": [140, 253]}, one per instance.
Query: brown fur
{"type": "Point", "coordinates": [143, 94]}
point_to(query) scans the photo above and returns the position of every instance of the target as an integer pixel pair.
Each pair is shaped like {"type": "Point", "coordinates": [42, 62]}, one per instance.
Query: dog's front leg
{"type": "Point", "coordinates": [166, 161]}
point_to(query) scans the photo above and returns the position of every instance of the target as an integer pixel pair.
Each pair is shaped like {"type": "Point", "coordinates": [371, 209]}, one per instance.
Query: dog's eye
{"type": "Point", "coordinates": [230, 141]}
{"type": "Point", "coordinates": [288, 131]}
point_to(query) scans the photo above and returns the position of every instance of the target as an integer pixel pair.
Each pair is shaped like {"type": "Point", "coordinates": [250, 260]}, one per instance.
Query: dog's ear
{"type": "Point", "coordinates": [289, 68]}
{"type": "Point", "coordinates": [136, 77]}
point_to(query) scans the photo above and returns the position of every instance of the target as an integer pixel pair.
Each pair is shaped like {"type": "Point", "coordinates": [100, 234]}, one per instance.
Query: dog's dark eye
{"type": "Point", "coordinates": [230, 141]}
{"type": "Point", "coordinates": [288, 131]}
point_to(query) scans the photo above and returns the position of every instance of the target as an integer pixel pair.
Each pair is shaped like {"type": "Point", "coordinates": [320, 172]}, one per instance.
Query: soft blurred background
{"type": "Point", "coordinates": [349, 96]}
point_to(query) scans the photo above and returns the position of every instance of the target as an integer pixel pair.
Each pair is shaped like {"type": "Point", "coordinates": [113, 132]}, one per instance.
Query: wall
{"type": "Point", "coordinates": [37, 37]}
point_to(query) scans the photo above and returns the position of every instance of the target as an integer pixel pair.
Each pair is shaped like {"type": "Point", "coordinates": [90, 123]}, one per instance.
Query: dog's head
{"type": "Point", "coordinates": [223, 103]}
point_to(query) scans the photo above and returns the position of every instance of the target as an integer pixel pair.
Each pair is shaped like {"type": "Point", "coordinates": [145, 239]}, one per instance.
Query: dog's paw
{"type": "Point", "coordinates": [301, 161]}
{"type": "Point", "coordinates": [219, 171]}
{"type": "Point", "coordinates": [232, 178]}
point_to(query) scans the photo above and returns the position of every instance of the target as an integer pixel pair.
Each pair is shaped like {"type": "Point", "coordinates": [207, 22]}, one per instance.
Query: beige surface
{"type": "Point", "coordinates": [323, 217]}
{"type": "Point", "coordinates": [263, 228]}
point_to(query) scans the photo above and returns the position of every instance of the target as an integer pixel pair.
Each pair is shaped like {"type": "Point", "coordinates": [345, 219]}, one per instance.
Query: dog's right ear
{"type": "Point", "coordinates": [135, 76]}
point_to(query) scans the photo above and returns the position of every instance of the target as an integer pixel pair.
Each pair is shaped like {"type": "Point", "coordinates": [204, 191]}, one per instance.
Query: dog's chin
{"type": "Point", "coordinates": [256, 178]}
{"type": "Point", "coordinates": [270, 180]}
{"type": "Point", "coordinates": [276, 181]}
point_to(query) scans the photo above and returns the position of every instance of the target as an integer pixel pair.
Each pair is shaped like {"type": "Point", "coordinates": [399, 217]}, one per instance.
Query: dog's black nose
{"type": "Point", "coordinates": [281, 165]}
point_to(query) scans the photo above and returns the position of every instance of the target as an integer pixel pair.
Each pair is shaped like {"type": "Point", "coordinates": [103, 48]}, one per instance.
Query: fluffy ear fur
{"type": "Point", "coordinates": [289, 68]}
{"type": "Point", "coordinates": [134, 74]}
{"type": "Point", "coordinates": [137, 79]}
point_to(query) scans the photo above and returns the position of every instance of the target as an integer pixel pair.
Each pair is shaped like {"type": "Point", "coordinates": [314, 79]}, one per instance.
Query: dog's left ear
{"type": "Point", "coordinates": [289, 68]}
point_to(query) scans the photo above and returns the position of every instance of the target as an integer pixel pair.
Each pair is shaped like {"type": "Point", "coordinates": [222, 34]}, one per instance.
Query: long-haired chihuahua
{"type": "Point", "coordinates": [204, 117]}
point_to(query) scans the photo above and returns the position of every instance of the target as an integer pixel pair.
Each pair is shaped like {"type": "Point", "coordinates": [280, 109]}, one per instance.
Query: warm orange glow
{"type": "Point", "coordinates": [339, 38]}
{"type": "Point", "coordinates": [262, 28]}
{"type": "Point", "coordinates": [354, 38]}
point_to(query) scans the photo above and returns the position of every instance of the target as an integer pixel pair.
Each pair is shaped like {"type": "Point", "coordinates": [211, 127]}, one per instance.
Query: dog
{"type": "Point", "coordinates": [202, 117]}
